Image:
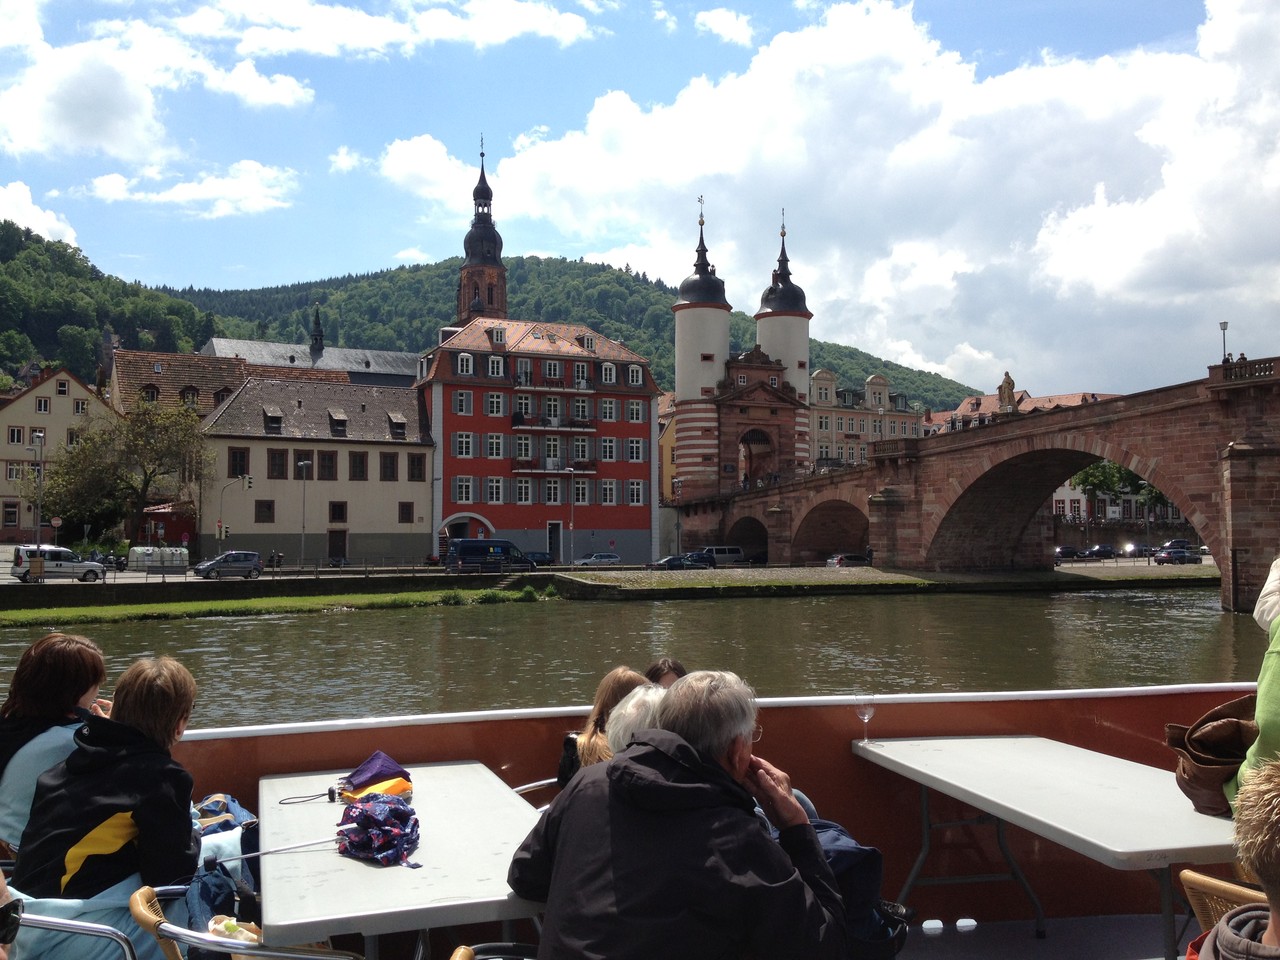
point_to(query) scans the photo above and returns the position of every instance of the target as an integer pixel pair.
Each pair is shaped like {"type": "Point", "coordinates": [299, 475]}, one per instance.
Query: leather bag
{"type": "Point", "coordinates": [1211, 750]}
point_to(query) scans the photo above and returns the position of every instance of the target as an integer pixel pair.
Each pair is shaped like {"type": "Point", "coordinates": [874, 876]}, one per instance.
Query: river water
{"type": "Point", "coordinates": [348, 663]}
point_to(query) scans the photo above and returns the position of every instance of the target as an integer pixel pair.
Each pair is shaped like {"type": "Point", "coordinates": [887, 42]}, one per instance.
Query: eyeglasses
{"type": "Point", "coordinates": [757, 733]}
{"type": "Point", "coordinates": [10, 919]}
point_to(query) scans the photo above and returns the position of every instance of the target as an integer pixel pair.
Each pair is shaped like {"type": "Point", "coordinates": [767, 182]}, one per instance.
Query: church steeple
{"type": "Point", "coordinates": [482, 282]}
{"type": "Point", "coordinates": [317, 334]}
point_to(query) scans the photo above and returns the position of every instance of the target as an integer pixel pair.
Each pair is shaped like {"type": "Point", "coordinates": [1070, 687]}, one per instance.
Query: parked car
{"type": "Point", "coordinates": [233, 563]}
{"type": "Point", "coordinates": [1176, 545]}
{"type": "Point", "coordinates": [847, 560]}
{"type": "Point", "coordinates": [1139, 550]}
{"type": "Point", "coordinates": [677, 562]}
{"type": "Point", "coordinates": [482, 555]}
{"type": "Point", "coordinates": [1176, 555]}
{"type": "Point", "coordinates": [58, 562]}
{"type": "Point", "coordinates": [1065, 552]}
{"type": "Point", "coordinates": [1099, 551]}
{"type": "Point", "coordinates": [598, 560]}
{"type": "Point", "coordinates": [702, 558]}
{"type": "Point", "coordinates": [540, 557]}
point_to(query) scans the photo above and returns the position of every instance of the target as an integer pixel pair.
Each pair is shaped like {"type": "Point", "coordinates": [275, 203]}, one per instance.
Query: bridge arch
{"type": "Point", "coordinates": [831, 526]}
{"type": "Point", "coordinates": [751, 535]}
{"type": "Point", "coordinates": [756, 459]}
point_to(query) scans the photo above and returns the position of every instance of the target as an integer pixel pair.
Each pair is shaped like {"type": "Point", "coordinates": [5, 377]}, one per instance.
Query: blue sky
{"type": "Point", "coordinates": [1076, 192]}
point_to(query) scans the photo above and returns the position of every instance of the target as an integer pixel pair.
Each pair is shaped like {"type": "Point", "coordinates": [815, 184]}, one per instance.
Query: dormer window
{"type": "Point", "coordinates": [398, 425]}
{"type": "Point", "coordinates": [465, 365]}
{"type": "Point", "coordinates": [157, 368]}
{"type": "Point", "coordinates": [635, 376]}
{"type": "Point", "coordinates": [150, 393]}
{"type": "Point", "coordinates": [190, 396]}
{"type": "Point", "coordinates": [588, 342]}
{"type": "Point", "coordinates": [498, 334]}
{"type": "Point", "coordinates": [220, 397]}
{"type": "Point", "coordinates": [272, 420]}
{"type": "Point", "coordinates": [337, 422]}
{"type": "Point", "coordinates": [608, 373]}
{"type": "Point", "coordinates": [495, 365]}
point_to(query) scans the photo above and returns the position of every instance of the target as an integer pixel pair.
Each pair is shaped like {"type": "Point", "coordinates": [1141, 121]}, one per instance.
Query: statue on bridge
{"type": "Point", "coordinates": [1005, 394]}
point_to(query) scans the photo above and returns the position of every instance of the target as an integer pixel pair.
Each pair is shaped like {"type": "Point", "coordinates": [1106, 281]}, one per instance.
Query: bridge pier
{"type": "Point", "coordinates": [893, 530]}
{"type": "Point", "coordinates": [1250, 503]}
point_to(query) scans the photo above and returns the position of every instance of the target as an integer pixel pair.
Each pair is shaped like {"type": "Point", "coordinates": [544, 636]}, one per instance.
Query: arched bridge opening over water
{"type": "Point", "coordinates": [979, 499]}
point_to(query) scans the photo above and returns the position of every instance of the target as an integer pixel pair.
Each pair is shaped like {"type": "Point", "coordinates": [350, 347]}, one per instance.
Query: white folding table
{"type": "Point", "coordinates": [1125, 815]}
{"type": "Point", "coordinates": [471, 824]}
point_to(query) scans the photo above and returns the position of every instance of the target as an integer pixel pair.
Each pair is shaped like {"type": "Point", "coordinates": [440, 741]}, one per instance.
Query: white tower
{"type": "Point", "coordinates": [782, 331]}
{"type": "Point", "coordinates": [702, 347]}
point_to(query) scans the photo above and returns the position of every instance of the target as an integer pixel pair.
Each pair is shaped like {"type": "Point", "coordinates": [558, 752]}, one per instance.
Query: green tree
{"type": "Point", "coordinates": [120, 464]}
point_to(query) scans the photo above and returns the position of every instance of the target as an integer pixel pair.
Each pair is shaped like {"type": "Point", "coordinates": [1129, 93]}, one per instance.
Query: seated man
{"type": "Point", "coordinates": [119, 805]}
{"type": "Point", "coordinates": [1252, 930]}
{"type": "Point", "coordinates": [659, 853]}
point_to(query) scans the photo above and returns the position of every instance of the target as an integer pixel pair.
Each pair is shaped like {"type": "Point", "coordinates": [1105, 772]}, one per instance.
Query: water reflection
{"type": "Point", "coordinates": [348, 663]}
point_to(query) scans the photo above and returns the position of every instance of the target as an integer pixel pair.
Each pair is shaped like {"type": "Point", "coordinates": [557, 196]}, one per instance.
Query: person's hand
{"type": "Point", "coordinates": [772, 790]}
{"type": "Point", "coordinates": [100, 708]}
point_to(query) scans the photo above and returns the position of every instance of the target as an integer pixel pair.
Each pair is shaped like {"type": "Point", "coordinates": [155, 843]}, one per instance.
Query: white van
{"type": "Point", "coordinates": [58, 562]}
{"type": "Point", "coordinates": [725, 556]}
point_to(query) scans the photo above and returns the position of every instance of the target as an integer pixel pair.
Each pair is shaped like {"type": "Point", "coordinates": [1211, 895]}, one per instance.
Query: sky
{"type": "Point", "coordinates": [1075, 191]}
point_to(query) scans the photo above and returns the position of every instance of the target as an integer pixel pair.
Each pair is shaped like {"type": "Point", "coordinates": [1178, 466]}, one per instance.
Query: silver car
{"type": "Point", "coordinates": [52, 562]}
{"type": "Point", "coordinates": [598, 560]}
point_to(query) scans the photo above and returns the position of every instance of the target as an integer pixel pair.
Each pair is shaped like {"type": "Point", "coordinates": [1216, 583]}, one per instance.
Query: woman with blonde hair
{"type": "Point", "coordinates": [591, 745]}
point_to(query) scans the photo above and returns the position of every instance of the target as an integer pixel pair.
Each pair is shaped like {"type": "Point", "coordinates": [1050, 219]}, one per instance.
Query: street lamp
{"type": "Point", "coordinates": [572, 499]}
{"type": "Point", "coordinates": [678, 484]}
{"type": "Point", "coordinates": [305, 467]}
{"type": "Point", "coordinates": [1222, 325]}
{"type": "Point", "coordinates": [879, 424]}
{"type": "Point", "coordinates": [37, 447]}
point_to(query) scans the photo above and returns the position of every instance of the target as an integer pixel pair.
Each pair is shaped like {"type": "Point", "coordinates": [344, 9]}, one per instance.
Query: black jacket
{"type": "Point", "coordinates": [118, 805]}
{"type": "Point", "coordinates": [658, 853]}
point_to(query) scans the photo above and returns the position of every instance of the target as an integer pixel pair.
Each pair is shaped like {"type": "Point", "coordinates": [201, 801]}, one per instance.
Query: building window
{"type": "Point", "coordinates": [524, 447]}
{"type": "Point", "coordinates": [304, 465]}
{"type": "Point", "coordinates": [337, 511]}
{"type": "Point", "coordinates": [553, 491]}
{"type": "Point", "coordinates": [635, 411]}
{"type": "Point", "coordinates": [742, 379]}
{"type": "Point", "coordinates": [608, 373]}
{"type": "Point", "coordinates": [16, 434]}
{"type": "Point", "coordinates": [553, 369]}
{"type": "Point", "coordinates": [824, 451]}
{"type": "Point", "coordinates": [417, 468]}
{"type": "Point", "coordinates": [580, 380]}
{"type": "Point", "coordinates": [608, 448]}
{"type": "Point", "coordinates": [581, 408]}
{"type": "Point", "coordinates": [839, 424]}
{"type": "Point", "coordinates": [357, 465]}
{"type": "Point", "coordinates": [608, 409]}
{"type": "Point", "coordinates": [551, 448]}
{"type": "Point", "coordinates": [464, 364]}
{"type": "Point", "coordinates": [82, 407]}
{"type": "Point", "coordinates": [189, 397]}
{"type": "Point", "coordinates": [524, 404]}
{"type": "Point", "coordinates": [14, 470]}
{"type": "Point", "coordinates": [389, 466]}
{"type": "Point", "coordinates": [237, 462]}
{"type": "Point", "coordinates": [462, 490]}
{"type": "Point", "coordinates": [493, 490]}
{"type": "Point", "coordinates": [405, 510]}
{"type": "Point", "coordinates": [635, 449]}
{"type": "Point", "coordinates": [327, 465]}
{"type": "Point", "coordinates": [773, 381]}
{"type": "Point", "coordinates": [264, 511]}
{"type": "Point", "coordinates": [499, 335]}
{"type": "Point", "coordinates": [493, 446]}
{"type": "Point", "coordinates": [495, 364]}
{"type": "Point", "coordinates": [635, 493]}
{"type": "Point", "coordinates": [11, 513]}
{"type": "Point", "coordinates": [150, 394]}
{"type": "Point", "coordinates": [462, 402]}
{"type": "Point", "coordinates": [609, 493]}
{"type": "Point", "coordinates": [494, 404]}
{"type": "Point", "coordinates": [635, 376]}
{"type": "Point", "coordinates": [524, 490]}
{"type": "Point", "coordinates": [580, 449]}
{"type": "Point", "coordinates": [581, 489]}
{"type": "Point", "coordinates": [42, 404]}
{"type": "Point", "coordinates": [462, 444]}
{"type": "Point", "coordinates": [277, 464]}
{"type": "Point", "coordinates": [524, 371]}
{"type": "Point", "coordinates": [551, 407]}
{"type": "Point", "coordinates": [824, 394]}
{"type": "Point", "coordinates": [588, 342]}
{"type": "Point", "coordinates": [824, 422]}
{"type": "Point", "coordinates": [708, 358]}
{"type": "Point", "coordinates": [64, 387]}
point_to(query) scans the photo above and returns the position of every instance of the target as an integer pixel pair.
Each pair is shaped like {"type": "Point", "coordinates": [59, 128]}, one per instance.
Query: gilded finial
{"type": "Point", "coordinates": [784, 222]}
{"type": "Point", "coordinates": [482, 148]}
{"type": "Point", "coordinates": [701, 222]}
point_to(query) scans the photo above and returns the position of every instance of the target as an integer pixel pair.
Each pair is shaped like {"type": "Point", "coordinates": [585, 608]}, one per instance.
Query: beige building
{"type": "Point", "coordinates": [338, 470]}
{"type": "Point", "coordinates": [38, 424]}
{"type": "Point", "coordinates": [845, 422]}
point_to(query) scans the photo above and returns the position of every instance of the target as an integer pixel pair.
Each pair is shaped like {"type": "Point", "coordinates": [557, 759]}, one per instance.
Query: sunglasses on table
{"type": "Point", "coordinates": [10, 919]}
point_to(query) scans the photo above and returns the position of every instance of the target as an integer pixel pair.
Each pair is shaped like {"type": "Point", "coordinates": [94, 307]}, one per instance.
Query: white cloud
{"type": "Point", "coordinates": [422, 166]}
{"type": "Point", "coordinates": [16, 204]}
{"type": "Point", "coordinates": [252, 88]}
{"type": "Point", "coordinates": [664, 16]}
{"type": "Point", "coordinates": [344, 160]}
{"type": "Point", "coordinates": [413, 255]}
{"type": "Point", "coordinates": [247, 187]}
{"type": "Point", "coordinates": [729, 26]}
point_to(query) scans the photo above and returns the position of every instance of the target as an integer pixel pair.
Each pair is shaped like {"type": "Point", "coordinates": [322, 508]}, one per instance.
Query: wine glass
{"type": "Point", "coordinates": [866, 707]}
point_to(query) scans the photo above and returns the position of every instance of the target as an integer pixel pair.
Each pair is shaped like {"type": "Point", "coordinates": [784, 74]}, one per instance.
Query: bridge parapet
{"type": "Point", "coordinates": [1242, 373]}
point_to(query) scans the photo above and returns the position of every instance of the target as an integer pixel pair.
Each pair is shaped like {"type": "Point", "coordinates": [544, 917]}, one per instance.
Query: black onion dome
{"type": "Point", "coordinates": [783, 296]}
{"type": "Point", "coordinates": [702, 286]}
{"type": "Point", "coordinates": [482, 244]}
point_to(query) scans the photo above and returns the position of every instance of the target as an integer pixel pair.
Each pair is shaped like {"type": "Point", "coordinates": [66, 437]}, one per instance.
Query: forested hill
{"type": "Point", "coordinates": [56, 307]}
{"type": "Point", "coordinates": [404, 308]}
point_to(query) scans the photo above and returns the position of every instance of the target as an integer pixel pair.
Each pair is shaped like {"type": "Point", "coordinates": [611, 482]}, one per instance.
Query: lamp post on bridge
{"type": "Point", "coordinates": [305, 467]}
{"type": "Point", "coordinates": [1222, 325]}
{"type": "Point", "coordinates": [573, 496]}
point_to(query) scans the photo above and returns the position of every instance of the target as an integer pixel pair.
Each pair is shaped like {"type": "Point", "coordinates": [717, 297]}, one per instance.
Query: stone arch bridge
{"type": "Point", "coordinates": [978, 499]}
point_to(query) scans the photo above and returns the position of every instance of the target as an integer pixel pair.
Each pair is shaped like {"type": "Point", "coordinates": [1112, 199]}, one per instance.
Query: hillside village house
{"type": "Point", "coordinates": [37, 424]}
{"type": "Point", "coordinates": [340, 470]}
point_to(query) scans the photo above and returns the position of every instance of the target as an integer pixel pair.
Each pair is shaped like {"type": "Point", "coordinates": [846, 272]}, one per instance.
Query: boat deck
{"type": "Point", "coordinates": [1131, 937]}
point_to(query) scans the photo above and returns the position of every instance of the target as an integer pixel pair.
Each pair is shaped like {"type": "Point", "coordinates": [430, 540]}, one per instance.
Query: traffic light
{"type": "Point", "coordinates": [246, 482]}
{"type": "Point", "coordinates": [250, 481]}
{"type": "Point", "coordinates": [218, 535]}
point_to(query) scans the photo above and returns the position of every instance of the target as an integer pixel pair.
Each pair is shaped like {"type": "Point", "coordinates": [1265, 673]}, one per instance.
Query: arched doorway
{"type": "Point", "coordinates": [756, 457]}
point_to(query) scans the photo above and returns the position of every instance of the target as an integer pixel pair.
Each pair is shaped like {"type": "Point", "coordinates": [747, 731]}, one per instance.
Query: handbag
{"type": "Point", "coordinates": [1211, 750]}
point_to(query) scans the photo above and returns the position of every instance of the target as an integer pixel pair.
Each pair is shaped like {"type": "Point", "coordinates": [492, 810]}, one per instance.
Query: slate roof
{"type": "Point", "coordinates": [386, 367]}
{"type": "Point", "coordinates": [170, 374]}
{"type": "Point", "coordinates": [310, 409]}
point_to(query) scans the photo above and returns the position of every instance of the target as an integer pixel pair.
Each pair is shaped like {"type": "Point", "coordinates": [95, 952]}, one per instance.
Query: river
{"type": "Point", "coordinates": [346, 663]}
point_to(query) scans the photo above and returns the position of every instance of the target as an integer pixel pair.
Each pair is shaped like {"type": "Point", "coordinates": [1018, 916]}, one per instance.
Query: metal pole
{"type": "Point", "coordinates": [1222, 325]}
{"type": "Point", "coordinates": [305, 467]}
{"type": "Point", "coordinates": [37, 447]}
{"type": "Point", "coordinates": [572, 499]}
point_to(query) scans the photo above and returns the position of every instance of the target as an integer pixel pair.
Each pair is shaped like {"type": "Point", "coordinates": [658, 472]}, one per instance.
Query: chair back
{"type": "Point", "coordinates": [496, 951]}
{"type": "Point", "coordinates": [1211, 897]}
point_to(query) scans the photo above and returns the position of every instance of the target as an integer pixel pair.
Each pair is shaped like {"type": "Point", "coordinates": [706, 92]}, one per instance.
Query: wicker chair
{"type": "Point", "coordinates": [1211, 897]}
{"type": "Point", "coordinates": [496, 951]}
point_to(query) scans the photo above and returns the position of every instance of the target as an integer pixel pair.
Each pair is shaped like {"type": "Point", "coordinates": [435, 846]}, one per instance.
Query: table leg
{"type": "Point", "coordinates": [370, 947]}
{"type": "Point", "coordinates": [1164, 877]}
